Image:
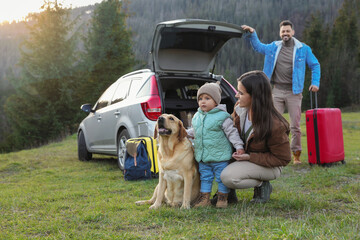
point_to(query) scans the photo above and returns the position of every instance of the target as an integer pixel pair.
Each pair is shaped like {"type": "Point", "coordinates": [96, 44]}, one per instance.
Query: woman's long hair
{"type": "Point", "coordinates": [263, 110]}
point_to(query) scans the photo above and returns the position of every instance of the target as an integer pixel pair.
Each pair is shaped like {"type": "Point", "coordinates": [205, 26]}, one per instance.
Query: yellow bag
{"type": "Point", "coordinates": [151, 148]}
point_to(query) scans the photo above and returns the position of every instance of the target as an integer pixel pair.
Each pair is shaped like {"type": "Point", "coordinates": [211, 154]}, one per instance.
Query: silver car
{"type": "Point", "coordinates": [183, 55]}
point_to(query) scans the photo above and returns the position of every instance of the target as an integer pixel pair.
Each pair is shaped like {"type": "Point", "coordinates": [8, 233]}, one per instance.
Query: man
{"type": "Point", "coordinates": [285, 64]}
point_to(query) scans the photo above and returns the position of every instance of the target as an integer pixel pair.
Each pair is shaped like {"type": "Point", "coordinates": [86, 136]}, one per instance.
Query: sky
{"type": "Point", "coordinates": [18, 9]}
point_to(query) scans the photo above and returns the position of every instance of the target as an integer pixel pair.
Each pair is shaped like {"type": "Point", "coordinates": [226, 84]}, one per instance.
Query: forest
{"type": "Point", "coordinates": [48, 70]}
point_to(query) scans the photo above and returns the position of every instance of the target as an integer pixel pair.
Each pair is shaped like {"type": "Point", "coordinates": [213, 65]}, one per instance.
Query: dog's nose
{"type": "Point", "coordinates": [161, 119]}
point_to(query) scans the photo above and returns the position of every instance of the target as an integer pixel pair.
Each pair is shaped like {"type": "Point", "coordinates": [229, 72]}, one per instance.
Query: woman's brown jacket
{"type": "Point", "coordinates": [273, 152]}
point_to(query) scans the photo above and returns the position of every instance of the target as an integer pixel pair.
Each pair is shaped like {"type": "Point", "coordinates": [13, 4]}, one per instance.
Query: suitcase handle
{"type": "Point", "coordinates": [311, 103]}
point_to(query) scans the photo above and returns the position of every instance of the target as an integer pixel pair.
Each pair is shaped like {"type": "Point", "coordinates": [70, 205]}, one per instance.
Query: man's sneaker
{"type": "Point", "coordinates": [296, 155]}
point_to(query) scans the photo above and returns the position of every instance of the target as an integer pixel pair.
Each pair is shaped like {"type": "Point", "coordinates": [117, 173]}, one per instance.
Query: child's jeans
{"type": "Point", "coordinates": [207, 173]}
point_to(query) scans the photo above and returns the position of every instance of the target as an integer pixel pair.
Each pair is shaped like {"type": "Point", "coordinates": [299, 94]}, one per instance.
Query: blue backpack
{"type": "Point", "coordinates": [137, 166]}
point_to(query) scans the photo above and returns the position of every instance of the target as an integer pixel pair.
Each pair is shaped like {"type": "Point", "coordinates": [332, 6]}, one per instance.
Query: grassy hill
{"type": "Point", "coordinates": [46, 193]}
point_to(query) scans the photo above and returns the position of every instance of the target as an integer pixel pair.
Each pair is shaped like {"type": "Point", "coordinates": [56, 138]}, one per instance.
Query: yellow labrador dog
{"type": "Point", "coordinates": [179, 181]}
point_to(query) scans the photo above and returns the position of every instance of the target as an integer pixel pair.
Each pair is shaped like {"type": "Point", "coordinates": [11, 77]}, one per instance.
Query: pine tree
{"type": "Point", "coordinates": [338, 53]}
{"type": "Point", "coordinates": [316, 36]}
{"type": "Point", "coordinates": [108, 49]}
{"type": "Point", "coordinates": [344, 67]}
{"type": "Point", "coordinates": [42, 107]}
{"type": "Point", "coordinates": [49, 51]}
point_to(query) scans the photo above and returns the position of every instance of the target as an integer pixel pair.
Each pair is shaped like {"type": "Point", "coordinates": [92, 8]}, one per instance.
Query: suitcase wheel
{"type": "Point", "coordinates": [327, 165]}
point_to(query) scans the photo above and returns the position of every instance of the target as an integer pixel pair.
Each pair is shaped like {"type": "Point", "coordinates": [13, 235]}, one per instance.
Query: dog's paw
{"type": "Point", "coordinates": [175, 204]}
{"type": "Point", "coordinates": [140, 202]}
{"type": "Point", "coordinates": [154, 206]}
{"type": "Point", "coordinates": [185, 206]}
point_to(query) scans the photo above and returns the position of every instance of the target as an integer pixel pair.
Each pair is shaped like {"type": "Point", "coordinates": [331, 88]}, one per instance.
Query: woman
{"type": "Point", "coordinates": [265, 133]}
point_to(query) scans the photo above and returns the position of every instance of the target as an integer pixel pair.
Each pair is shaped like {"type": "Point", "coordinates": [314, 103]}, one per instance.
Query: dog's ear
{"type": "Point", "coordinates": [182, 131]}
{"type": "Point", "coordinates": [156, 131]}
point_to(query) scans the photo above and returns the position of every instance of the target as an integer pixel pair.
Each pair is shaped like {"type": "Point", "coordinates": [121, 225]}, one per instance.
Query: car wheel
{"type": "Point", "coordinates": [121, 148]}
{"type": "Point", "coordinates": [83, 153]}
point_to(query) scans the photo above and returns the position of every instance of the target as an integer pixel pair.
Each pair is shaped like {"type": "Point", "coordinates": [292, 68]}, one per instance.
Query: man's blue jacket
{"type": "Point", "coordinates": [302, 55]}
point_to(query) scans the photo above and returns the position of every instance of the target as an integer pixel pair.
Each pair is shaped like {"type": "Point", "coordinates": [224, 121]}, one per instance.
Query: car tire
{"type": "Point", "coordinates": [83, 153]}
{"type": "Point", "coordinates": [121, 148]}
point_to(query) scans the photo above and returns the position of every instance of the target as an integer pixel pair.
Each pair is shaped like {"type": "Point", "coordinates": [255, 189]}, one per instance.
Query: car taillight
{"type": "Point", "coordinates": [152, 107]}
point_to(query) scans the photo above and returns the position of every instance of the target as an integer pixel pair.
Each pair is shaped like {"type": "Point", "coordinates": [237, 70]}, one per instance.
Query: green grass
{"type": "Point", "coordinates": [46, 193]}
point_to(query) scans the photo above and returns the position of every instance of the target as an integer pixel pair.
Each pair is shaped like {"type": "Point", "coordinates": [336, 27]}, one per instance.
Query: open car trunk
{"type": "Point", "coordinates": [183, 55]}
{"type": "Point", "coordinates": [180, 96]}
{"type": "Point", "coordinates": [189, 46]}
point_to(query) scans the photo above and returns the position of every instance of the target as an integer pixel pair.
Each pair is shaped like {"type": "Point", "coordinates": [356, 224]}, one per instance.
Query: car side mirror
{"type": "Point", "coordinates": [86, 108]}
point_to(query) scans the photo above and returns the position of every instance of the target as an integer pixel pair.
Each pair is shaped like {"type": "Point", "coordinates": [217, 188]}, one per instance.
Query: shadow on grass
{"type": "Point", "coordinates": [104, 161]}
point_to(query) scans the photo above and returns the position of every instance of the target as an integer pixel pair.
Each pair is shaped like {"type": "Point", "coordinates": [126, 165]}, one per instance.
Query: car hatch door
{"type": "Point", "coordinates": [189, 46]}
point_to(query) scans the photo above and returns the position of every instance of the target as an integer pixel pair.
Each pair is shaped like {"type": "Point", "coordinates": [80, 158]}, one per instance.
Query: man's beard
{"type": "Point", "coordinates": [286, 38]}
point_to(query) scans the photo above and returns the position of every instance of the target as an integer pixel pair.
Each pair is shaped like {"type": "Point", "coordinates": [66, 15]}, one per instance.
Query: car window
{"type": "Point", "coordinates": [135, 85]}
{"type": "Point", "coordinates": [179, 38]}
{"type": "Point", "coordinates": [145, 89]}
{"type": "Point", "coordinates": [106, 97]}
{"type": "Point", "coordinates": [121, 91]}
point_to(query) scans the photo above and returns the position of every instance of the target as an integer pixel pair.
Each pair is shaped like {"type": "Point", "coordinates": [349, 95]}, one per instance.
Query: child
{"type": "Point", "coordinates": [213, 133]}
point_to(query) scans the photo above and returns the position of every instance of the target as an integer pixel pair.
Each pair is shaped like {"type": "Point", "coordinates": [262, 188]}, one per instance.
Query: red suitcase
{"type": "Point", "coordinates": [324, 135]}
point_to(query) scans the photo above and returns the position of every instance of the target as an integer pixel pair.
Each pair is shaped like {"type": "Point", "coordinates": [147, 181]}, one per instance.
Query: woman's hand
{"type": "Point", "coordinates": [241, 157]}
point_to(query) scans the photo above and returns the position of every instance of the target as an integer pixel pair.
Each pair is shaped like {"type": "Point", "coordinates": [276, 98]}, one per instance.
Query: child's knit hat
{"type": "Point", "coordinates": [211, 89]}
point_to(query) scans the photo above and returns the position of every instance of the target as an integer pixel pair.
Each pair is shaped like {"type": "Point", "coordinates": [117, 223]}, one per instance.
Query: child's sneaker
{"type": "Point", "coordinates": [203, 201]}
{"type": "Point", "coordinates": [222, 200]}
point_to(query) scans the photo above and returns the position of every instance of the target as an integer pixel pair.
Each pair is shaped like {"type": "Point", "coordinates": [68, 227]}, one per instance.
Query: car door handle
{"type": "Point", "coordinates": [117, 113]}
{"type": "Point", "coordinates": [99, 118]}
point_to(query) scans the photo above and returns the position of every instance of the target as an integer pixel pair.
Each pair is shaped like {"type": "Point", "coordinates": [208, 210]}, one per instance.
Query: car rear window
{"type": "Point", "coordinates": [181, 38]}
